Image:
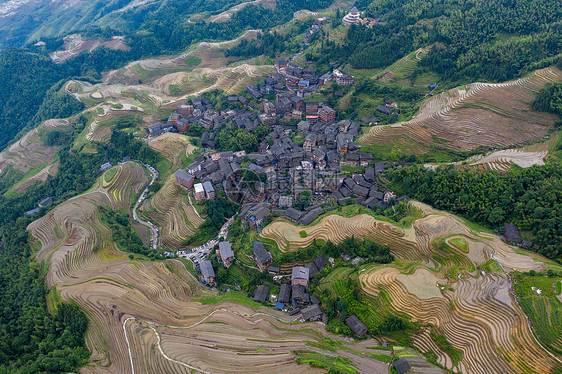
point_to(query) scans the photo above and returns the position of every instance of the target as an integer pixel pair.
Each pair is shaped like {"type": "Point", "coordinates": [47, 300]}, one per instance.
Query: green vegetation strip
{"type": "Point", "coordinates": [330, 363]}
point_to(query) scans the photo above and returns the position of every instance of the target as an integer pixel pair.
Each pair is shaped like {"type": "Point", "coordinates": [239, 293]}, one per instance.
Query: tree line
{"type": "Point", "coordinates": [217, 211]}
{"type": "Point", "coordinates": [549, 100]}
{"type": "Point", "coordinates": [32, 340]}
{"type": "Point", "coordinates": [529, 197]}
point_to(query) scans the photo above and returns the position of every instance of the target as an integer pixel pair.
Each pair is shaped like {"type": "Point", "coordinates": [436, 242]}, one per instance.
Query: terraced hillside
{"type": "Point", "coordinates": [145, 86]}
{"type": "Point", "coordinates": [171, 210]}
{"type": "Point", "coordinates": [524, 157]}
{"type": "Point", "coordinates": [189, 70]}
{"type": "Point", "coordinates": [451, 278]}
{"type": "Point", "coordinates": [336, 228]}
{"type": "Point", "coordinates": [480, 114]}
{"type": "Point", "coordinates": [30, 152]}
{"type": "Point", "coordinates": [173, 146]}
{"type": "Point", "coordinates": [145, 317]}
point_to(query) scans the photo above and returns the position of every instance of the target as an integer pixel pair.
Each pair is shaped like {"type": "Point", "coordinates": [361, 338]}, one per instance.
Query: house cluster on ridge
{"type": "Point", "coordinates": [293, 297]}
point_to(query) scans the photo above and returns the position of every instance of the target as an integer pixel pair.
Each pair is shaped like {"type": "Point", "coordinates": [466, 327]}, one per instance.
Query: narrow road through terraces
{"type": "Point", "coordinates": [154, 231]}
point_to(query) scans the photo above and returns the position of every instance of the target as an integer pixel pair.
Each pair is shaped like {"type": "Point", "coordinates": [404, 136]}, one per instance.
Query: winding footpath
{"type": "Point", "coordinates": [153, 229]}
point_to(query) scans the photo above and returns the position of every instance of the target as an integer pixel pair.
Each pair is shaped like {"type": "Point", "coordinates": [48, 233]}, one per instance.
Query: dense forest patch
{"type": "Point", "coordinates": [530, 198]}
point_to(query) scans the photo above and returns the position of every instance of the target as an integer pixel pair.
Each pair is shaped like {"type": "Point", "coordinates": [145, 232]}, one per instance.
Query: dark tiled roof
{"type": "Point", "coordinates": [312, 312]}
{"type": "Point", "coordinates": [262, 256]}
{"type": "Point", "coordinates": [401, 365]}
{"type": "Point", "coordinates": [321, 262]}
{"type": "Point", "coordinates": [311, 216]}
{"type": "Point", "coordinates": [312, 269]}
{"type": "Point", "coordinates": [285, 293]}
{"type": "Point", "coordinates": [225, 250]}
{"type": "Point", "coordinates": [299, 292]}
{"type": "Point", "coordinates": [384, 110]}
{"type": "Point", "coordinates": [370, 174]}
{"type": "Point", "coordinates": [512, 233]}
{"type": "Point", "coordinates": [300, 272]}
{"type": "Point", "coordinates": [356, 325]}
{"type": "Point", "coordinates": [360, 190]}
{"type": "Point", "coordinates": [207, 269]}
{"type": "Point", "coordinates": [293, 214]}
{"type": "Point", "coordinates": [261, 293]}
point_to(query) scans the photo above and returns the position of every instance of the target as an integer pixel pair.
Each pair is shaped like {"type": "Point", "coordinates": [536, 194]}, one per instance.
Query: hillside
{"type": "Point", "coordinates": [449, 277]}
{"type": "Point", "coordinates": [50, 19]}
{"type": "Point", "coordinates": [156, 307]}
{"type": "Point", "coordinates": [472, 116]}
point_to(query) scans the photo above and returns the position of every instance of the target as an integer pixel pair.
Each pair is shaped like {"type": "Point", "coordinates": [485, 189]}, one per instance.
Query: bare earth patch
{"type": "Point", "coordinates": [49, 170]}
{"type": "Point", "coordinates": [172, 146]}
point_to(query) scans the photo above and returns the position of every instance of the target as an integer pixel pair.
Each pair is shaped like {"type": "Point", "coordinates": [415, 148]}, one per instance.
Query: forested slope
{"type": "Point", "coordinates": [24, 79]}
{"type": "Point", "coordinates": [471, 39]}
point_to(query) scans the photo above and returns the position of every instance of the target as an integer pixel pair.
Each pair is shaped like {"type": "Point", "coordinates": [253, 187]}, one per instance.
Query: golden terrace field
{"type": "Point", "coordinates": [449, 277]}
{"type": "Point", "coordinates": [480, 114]}
{"type": "Point", "coordinates": [155, 317]}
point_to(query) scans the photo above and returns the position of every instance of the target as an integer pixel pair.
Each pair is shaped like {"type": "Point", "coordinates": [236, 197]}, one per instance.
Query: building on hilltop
{"type": "Point", "coordinates": [512, 233]}
{"type": "Point", "coordinates": [356, 325]}
{"type": "Point", "coordinates": [199, 191]}
{"type": "Point", "coordinates": [263, 258]}
{"type": "Point", "coordinates": [312, 313]}
{"type": "Point", "coordinates": [384, 110]}
{"type": "Point", "coordinates": [401, 365]}
{"type": "Point", "coordinates": [158, 129]}
{"type": "Point", "coordinates": [327, 114]}
{"type": "Point", "coordinates": [352, 17]}
{"type": "Point", "coordinates": [47, 201]}
{"type": "Point", "coordinates": [300, 275]}
{"type": "Point", "coordinates": [285, 293]}
{"type": "Point", "coordinates": [261, 293]}
{"type": "Point", "coordinates": [209, 190]}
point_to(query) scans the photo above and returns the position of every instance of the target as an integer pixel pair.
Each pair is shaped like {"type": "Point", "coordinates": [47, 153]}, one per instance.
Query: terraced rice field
{"type": "Point", "coordinates": [49, 170]}
{"type": "Point", "coordinates": [540, 297]}
{"type": "Point", "coordinates": [122, 90]}
{"type": "Point", "coordinates": [170, 210]}
{"type": "Point", "coordinates": [336, 228]}
{"type": "Point", "coordinates": [438, 280]}
{"type": "Point", "coordinates": [525, 157]}
{"type": "Point", "coordinates": [404, 67]}
{"type": "Point", "coordinates": [143, 315]}
{"type": "Point", "coordinates": [480, 114]}
{"type": "Point", "coordinates": [29, 152]}
{"type": "Point", "coordinates": [173, 146]}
